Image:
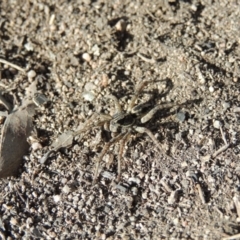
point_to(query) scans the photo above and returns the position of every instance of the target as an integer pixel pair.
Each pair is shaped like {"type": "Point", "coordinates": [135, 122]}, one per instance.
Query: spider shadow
{"type": "Point", "coordinates": [155, 123]}
{"type": "Point", "coordinates": [121, 38]}
{"type": "Point", "coordinates": [154, 93]}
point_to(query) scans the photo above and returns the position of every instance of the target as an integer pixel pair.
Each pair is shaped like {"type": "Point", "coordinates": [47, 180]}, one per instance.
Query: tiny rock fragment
{"type": "Point", "coordinates": [121, 25]}
{"type": "Point", "coordinates": [121, 188]}
{"type": "Point", "coordinates": [217, 124]}
{"type": "Point", "coordinates": [173, 197]}
{"type": "Point", "coordinates": [39, 99]}
{"type": "Point", "coordinates": [89, 86]}
{"type": "Point", "coordinates": [66, 189]}
{"type": "Point", "coordinates": [181, 116]}
{"type": "Point", "coordinates": [36, 145]}
{"type": "Point", "coordinates": [105, 80]}
{"type": "Point", "coordinates": [31, 74]}
{"type": "Point", "coordinates": [88, 96]}
{"type": "Point", "coordinates": [86, 57]}
{"type": "Point", "coordinates": [29, 46]}
{"type": "Point", "coordinates": [226, 105]}
{"type": "Point", "coordinates": [145, 195]}
{"type": "Point", "coordinates": [56, 198]}
{"type": "Point", "coordinates": [236, 109]}
{"type": "Point", "coordinates": [108, 175]}
{"type": "Point", "coordinates": [13, 221]}
{"type": "Point", "coordinates": [211, 89]}
{"type": "Point", "coordinates": [135, 180]}
{"type": "Point", "coordinates": [205, 158]}
{"type": "Point", "coordinates": [175, 221]}
{"type": "Point", "coordinates": [201, 78]}
{"type": "Point", "coordinates": [96, 50]}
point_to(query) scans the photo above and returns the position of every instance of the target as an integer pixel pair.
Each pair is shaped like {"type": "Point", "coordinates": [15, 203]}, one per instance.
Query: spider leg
{"type": "Point", "coordinates": [138, 90]}
{"type": "Point", "coordinates": [90, 123]}
{"type": "Point", "coordinates": [151, 113]}
{"type": "Point", "coordinates": [117, 104]}
{"type": "Point", "coordinates": [103, 152]}
{"type": "Point", "coordinates": [149, 133]}
{"type": "Point", "coordinates": [123, 141]}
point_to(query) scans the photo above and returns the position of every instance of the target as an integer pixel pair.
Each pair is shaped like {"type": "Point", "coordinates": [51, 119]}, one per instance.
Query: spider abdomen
{"type": "Point", "coordinates": [122, 121]}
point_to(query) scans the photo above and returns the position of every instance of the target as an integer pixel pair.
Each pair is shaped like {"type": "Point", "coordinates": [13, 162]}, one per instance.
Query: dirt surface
{"type": "Point", "coordinates": [81, 51]}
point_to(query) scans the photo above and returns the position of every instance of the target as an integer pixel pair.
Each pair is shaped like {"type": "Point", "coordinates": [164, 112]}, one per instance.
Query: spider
{"type": "Point", "coordinates": [123, 124]}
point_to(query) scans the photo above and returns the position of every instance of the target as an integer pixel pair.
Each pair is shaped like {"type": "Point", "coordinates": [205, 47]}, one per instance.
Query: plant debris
{"type": "Point", "coordinates": [64, 140]}
{"type": "Point", "coordinates": [17, 128]}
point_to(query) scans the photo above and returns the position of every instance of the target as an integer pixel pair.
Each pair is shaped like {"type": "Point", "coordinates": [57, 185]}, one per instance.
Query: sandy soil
{"type": "Point", "coordinates": [79, 52]}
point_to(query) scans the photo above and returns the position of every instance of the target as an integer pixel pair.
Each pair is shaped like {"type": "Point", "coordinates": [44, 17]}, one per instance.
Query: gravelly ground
{"type": "Point", "coordinates": [82, 51]}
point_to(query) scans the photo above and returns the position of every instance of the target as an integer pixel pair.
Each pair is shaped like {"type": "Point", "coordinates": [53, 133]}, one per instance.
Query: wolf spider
{"type": "Point", "coordinates": [123, 124]}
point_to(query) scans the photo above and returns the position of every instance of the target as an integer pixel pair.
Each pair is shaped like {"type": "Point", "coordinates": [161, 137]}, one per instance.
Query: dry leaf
{"type": "Point", "coordinates": [13, 145]}
{"type": "Point", "coordinates": [63, 140]}
{"type": "Point", "coordinates": [17, 128]}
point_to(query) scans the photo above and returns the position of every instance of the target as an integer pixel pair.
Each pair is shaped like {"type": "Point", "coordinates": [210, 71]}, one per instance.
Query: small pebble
{"type": "Point", "coordinates": [36, 145]}
{"type": "Point", "coordinates": [107, 175]}
{"type": "Point", "coordinates": [217, 124]}
{"type": "Point", "coordinates": [121, 188]}
{"type": "Point", "coordinates": [135, 180]}
{"type": "Point", "coordinates": [56, 198]}
{"type": "Point", "coordinates": [86, 57]}
{"type": "Point", "coordinates": [66, 189]}
{"type": "Point", "coordinates": [14, 221]}
{"type": "Point", "coordinates": [39, 99]}
{"type": "Point", "coordinates": [181, 116]}
{"type": "Point", "coordinates": [31, 74]}
{"type": "Point", "coordinates": [226, 105]}
{"type": "Point", "coordinates": [96, 50]}
{"type": "Point", "coordinates": [211, 89]}
{"type": "Point", "coordinates": [88, 96]}
{"type": "Point", "coordinates": [144, 195]}
{"type": "Point", "coordinates": [89, 87]}
{"type": "Point", "coordinates": [29, 47]}
{"type": "Point", "coordinates": [121, 25]}
{"type": "Point", "coordinates": [236, 109]}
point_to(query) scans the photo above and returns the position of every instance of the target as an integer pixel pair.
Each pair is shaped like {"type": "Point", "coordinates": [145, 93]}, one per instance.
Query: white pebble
{"type": "Point", "coordinates": [175, 221]}
{"type": "Point", "coordinates": [36, 145]}
{"type": "Point", "coordinates": [217, 124]}
{"type": "Point", "coordinates": [121, 25]}
{"type": "Point", "coordinates": [66, 189]}
{"type": "Point", "coordinates": [135, 180]}
{"type": "Point", "coordinates": [31, 74]}
{"type": "Point", "coordinates": [88, 96]}
{"type": "Point", "coordinates": [145, 195]}
{"type": "Point", "coordinates": [96, 50]}
{"type": "Point", "coordinates": [86, 57]}
{"type": "Point", "coordinates": [56, 198]}
{"type": "Point", "coordinates": [28, 46]}
{"type": "Point", "coordinates": [211, 89]}
{"type": "Point", "coordinates": [89, 86]}
{"type": "Point", "coordinates": [14, 221]}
